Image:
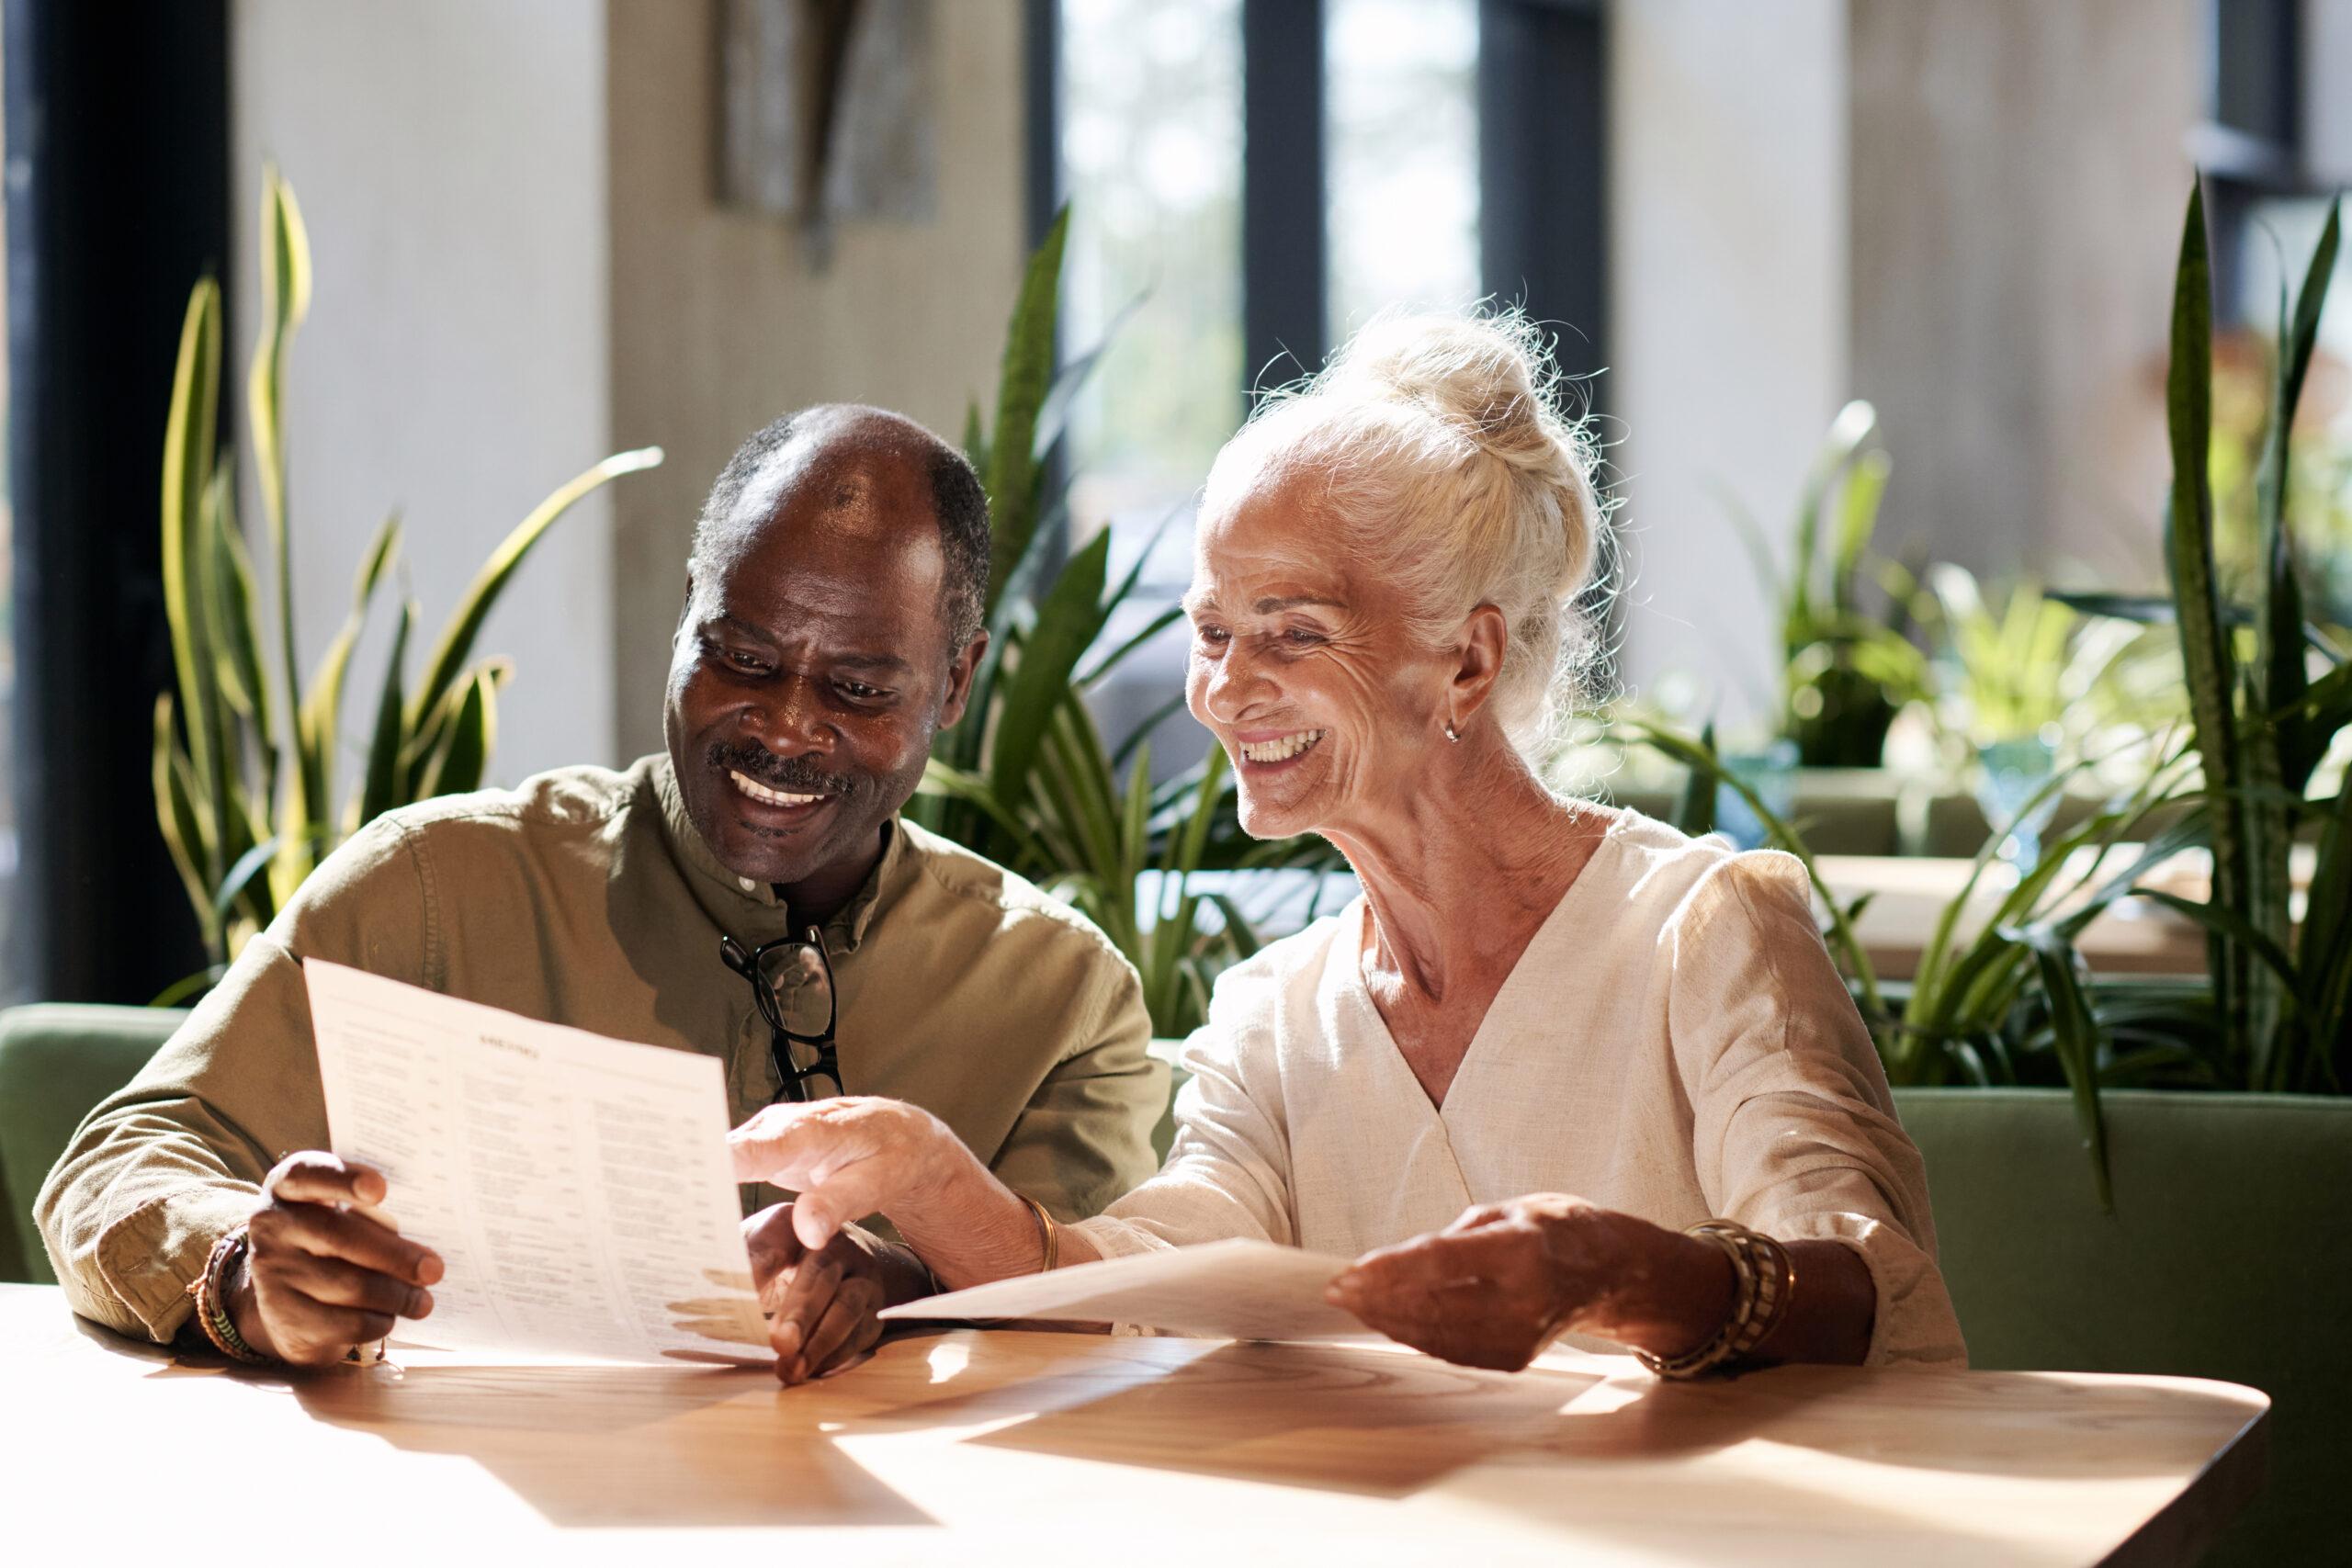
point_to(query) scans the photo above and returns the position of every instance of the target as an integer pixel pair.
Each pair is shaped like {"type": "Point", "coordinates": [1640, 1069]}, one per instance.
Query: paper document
{"type": "Point", "coordinates": [577, 1189]}
{"type": "Point", "coordinates": [1226, 1290]}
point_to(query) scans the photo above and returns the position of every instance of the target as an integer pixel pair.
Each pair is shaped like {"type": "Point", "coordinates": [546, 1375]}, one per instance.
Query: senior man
{"type": "Point", "coordinates": [831, 626]}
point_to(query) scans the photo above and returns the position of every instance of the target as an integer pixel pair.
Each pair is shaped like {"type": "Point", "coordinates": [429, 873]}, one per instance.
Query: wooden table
{"type": "Point", "coordinates": [966, 1447]}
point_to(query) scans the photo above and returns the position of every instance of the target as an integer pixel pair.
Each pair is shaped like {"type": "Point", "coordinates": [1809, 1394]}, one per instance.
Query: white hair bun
{"type": "Point", "coordinates": [1490, 377]}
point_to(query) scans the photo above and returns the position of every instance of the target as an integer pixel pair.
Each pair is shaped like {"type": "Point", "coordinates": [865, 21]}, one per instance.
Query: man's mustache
{"type": "Point", "coordinates": [794, 775]}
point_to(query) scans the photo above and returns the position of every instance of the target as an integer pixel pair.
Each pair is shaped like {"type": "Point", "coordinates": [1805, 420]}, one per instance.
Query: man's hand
{"type": "Point", "coordinates": [320, 1277]}
{"type": "Point", "coordinates": [823, 1300]}
{"type": "Point", "coordinates": [1493, 1288]}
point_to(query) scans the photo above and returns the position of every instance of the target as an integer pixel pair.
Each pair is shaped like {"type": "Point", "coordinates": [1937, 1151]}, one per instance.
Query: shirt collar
{"type": "Point", "coordinates": [750, 911]}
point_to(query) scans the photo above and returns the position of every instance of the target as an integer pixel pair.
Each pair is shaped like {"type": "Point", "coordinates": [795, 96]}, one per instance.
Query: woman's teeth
{"type": "Point", "coordinates": [758, 791]}
{"type": "Point", "coordinates": [1280, 751]}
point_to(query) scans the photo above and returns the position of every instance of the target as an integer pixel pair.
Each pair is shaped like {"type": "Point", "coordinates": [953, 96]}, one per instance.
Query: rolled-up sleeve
{"type": "Point", "coordinates": [160, 1170]}
{"type": "Point", "coordinates": [1794, 1132]}
{"type": "Point", "coordinates": [1227, 1173]}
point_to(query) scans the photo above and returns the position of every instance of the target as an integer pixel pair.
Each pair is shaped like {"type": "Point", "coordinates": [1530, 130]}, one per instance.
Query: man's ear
{"type": "Point", "coordinates": [960, 670]}
{"type": "Point", "coordinates": [1485, 638]}
{"type": "Point", "coordinates": [685, 608]}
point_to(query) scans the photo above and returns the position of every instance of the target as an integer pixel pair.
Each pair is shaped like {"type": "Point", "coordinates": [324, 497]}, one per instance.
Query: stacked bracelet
{"type": "Point", "coordinates": [1767, 1279]}
{"type": "Point", "coordinates": [213, 1311]}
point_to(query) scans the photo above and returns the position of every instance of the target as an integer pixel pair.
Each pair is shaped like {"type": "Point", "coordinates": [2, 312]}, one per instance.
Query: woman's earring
{"type": "Point", "coordinates": [1450, 733]}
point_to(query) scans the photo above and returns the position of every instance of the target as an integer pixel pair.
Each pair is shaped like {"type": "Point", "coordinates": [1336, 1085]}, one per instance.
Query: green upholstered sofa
{"type": "Point", "coordinates": [2228, 1255]}
{"type": "Point", "coordinates": [56, 1062]}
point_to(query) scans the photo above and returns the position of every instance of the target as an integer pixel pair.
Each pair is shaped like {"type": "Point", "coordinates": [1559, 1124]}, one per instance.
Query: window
{"type": "Point", "coordinates": [1401, 138]}
{"type": "Point", "coordinates": [1155, 151]}
{"type": "Point", "coordinates": [1151, 159]}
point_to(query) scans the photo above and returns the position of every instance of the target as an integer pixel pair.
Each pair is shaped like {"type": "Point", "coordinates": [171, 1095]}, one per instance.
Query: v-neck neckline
{"type": "Point", "coordinates": [1360, 993]}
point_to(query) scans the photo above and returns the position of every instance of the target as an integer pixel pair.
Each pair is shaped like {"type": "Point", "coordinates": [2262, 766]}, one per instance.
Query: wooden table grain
{"type": "Point", "coordinates": [965, 1447]}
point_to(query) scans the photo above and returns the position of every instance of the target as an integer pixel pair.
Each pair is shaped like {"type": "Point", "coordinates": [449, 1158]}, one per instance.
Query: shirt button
{"type": "Point", "coordinates": [749, 886]}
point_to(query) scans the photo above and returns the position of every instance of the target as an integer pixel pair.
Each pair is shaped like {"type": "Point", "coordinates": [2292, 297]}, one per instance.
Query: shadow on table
{"type": "Point", "coordinates": [1328, 1417]}
{"type": "Point", "coordinates": [548, 1432]}
{"type": "Point", "coordinates": [1374, 1423]}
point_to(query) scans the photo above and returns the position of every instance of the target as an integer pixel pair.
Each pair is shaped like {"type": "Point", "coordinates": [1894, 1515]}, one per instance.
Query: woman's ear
{"type": "Point", "coordinates": [1486, 637]}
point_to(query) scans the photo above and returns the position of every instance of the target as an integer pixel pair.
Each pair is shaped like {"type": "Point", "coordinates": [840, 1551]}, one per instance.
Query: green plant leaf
{"type": "Point", "coordinates": [188, 436]}
{"type": "Point", "coordinates": [455, 646]}
{"type": "Point", "coordinates": [467, 741]}
{"type": "Point", "coordinates": [939, 778]}
{"type": "Point", "coordinates": [1852, 427]}
{"type": "Point", "coordinates": [286, 300]}
{"type": "Point", "coordinates": [2233, 926]}
{"type": "Point", "coordinates": [175, 814]}
{"type": "Point", "coordinates": [975, 441]}
{"type": "Point", "coordinates": [1694, 813]}
{"type": "Point", "coordinates": [1858, 509]}
{"type": "Point", "coordinates": [1068, 621]}
{"type": "Point", "coordinates": [2076, 1035]}
{"type": "Point", "coordinates": [1070, 381]}
{"type": "Point", "coordinates": [187, 987]}
{"type": "Point", "coordinates": [231, 610]}
{"type": "Point", "coordinates": [323, 707]}
{"type": "Point", "coordinates": [2206, 656]}
{"type": "Point", "coordinates": [2278, 605]}
{"type": "Point", "coordinates": [1028, 371]}
{"type": "Point", "coordinates": [380, 791]}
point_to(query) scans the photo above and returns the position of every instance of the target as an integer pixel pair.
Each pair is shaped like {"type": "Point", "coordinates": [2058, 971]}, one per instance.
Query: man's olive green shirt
{"type": "Point", "coordinates": [586, 897]}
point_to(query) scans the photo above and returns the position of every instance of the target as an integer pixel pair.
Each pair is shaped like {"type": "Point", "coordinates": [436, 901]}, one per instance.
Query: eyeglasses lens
{"type": "Point", "coordinates": [803, 988]}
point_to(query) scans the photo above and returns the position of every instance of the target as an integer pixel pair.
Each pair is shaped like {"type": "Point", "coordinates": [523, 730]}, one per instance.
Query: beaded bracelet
{"type": "Point", "coordinates": [212, 1314]}
{"type": "Point", "coordinates": [1767, 1279]}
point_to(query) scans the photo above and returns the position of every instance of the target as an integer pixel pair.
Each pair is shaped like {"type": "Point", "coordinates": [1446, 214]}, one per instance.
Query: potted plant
{"type": "Point", "coordinates": [1027, 778]}
{"type": "Point", "coordinates": [245, 752]}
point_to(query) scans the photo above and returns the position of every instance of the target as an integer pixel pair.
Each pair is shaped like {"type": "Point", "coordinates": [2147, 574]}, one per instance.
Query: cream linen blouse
{"type": "Point", "coordinates": [1674, 1044]}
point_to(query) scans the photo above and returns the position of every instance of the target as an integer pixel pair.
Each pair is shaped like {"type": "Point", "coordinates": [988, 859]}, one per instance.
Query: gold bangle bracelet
{"type": "Point", "coordinates": [1049, 1235]}
{"type": "Point", "coordinates": [1765, 1279]}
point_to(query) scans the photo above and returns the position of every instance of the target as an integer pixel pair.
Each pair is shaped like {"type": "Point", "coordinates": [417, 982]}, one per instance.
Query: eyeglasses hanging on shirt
{"type": "Point", "coordinates": [792, 985]}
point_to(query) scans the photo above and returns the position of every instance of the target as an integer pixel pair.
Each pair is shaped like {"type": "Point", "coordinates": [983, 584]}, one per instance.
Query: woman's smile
{"type": "Point", "coordinates": [1269, 751]}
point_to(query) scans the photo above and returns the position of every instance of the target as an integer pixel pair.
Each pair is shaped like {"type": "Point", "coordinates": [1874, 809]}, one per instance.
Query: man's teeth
{"type": "Point", "coordinates": [1280, 751]}
{"type": "Point", "coordinates": [759, 791]}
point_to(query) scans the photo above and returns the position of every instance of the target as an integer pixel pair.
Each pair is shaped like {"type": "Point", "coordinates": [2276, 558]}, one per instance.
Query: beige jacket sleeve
{"type": "Point", "coordinates": [160, 1170]}
{"type": "Point", "coordinates": [1085, 1136]}
{"type": "Point", "coordinates": [1228, 1174]}
{"type": "Point", "coordinates": [1794, 1132]}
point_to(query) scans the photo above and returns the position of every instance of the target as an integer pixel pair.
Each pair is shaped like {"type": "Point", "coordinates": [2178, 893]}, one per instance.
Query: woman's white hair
{"type": "Point", "coordinates": [1439, 448]}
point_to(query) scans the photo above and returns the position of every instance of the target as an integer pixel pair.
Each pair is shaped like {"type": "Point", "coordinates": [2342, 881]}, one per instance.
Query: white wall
{"type": "Point", "coordinates": [2327, 89]}
{"type": "Point", "coordinates": [450, 159]}
{"type": "Point", "coordinates": [720, 322]}
{"type": "Point", "coordinates": [1728, 220]}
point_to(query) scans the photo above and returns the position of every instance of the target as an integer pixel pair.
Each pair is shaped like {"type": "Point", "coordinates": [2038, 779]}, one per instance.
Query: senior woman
{"type": "Point", "coordinates": [1559, 1068]}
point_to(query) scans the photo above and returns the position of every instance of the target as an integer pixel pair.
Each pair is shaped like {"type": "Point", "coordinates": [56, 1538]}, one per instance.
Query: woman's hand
{"type": "Point", "coordinates": [855, 1156]}
{"type": "Point", "coordinates": [846, 1157]}
{"type": "Point", "coordinates": [822, 1302]}
{"type": "Point", "coordinates": [1493, 1288]}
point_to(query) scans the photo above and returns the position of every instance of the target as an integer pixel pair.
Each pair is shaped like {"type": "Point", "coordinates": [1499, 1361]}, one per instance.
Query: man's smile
{"type": "Point", "coordinates": [760, 792]}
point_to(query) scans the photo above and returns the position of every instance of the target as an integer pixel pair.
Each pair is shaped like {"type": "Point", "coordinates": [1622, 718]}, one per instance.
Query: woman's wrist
{"type": "Point", "coordinates": [1670, 1293]}
{"type": "Point", "coordinates": [968, 1227]}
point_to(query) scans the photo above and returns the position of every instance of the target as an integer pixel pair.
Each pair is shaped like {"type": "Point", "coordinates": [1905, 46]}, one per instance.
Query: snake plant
{"type": "Point", "coordinates": [245, 752]}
